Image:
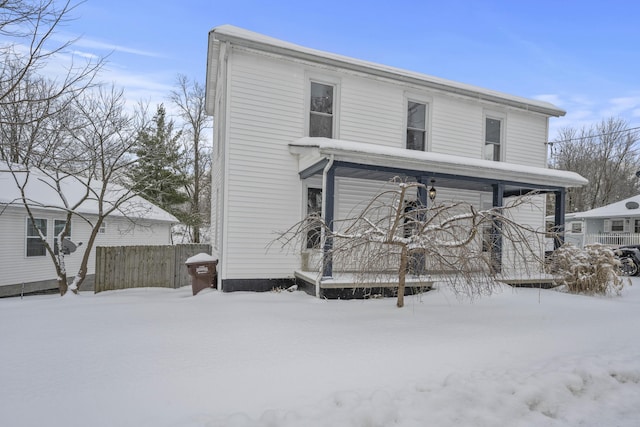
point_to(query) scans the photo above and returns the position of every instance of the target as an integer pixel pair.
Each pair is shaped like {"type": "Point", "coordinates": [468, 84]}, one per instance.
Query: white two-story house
{"type": "Point", "coordinates": [298, 130]}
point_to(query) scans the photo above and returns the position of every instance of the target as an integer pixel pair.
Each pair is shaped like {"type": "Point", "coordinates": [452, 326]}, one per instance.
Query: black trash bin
{"type": "Point", "coordinates": [202, 269]}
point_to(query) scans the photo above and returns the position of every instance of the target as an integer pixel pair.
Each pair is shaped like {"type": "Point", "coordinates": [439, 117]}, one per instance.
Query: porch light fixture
{"type": "Point", "coordinates": [432, 191]}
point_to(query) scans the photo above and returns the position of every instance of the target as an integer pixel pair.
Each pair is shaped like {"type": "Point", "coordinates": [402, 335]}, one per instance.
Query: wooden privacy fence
{"type": "Point", "coordinates": [124, 267]}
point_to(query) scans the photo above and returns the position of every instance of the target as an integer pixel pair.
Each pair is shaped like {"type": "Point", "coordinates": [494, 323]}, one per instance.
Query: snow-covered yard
{"type": "Point", "coordinates": [160, 357]}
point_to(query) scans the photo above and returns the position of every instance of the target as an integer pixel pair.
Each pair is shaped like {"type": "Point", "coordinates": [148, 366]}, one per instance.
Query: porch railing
{"type": "Point", "coordinates": [613, 239]}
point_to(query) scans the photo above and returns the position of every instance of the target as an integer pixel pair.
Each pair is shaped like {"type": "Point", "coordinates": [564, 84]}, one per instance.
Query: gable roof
{"type": "Point", "coordinates": [41, 194]}
{"type": "Point", "coordinates": [623, 208]}
{"type": "Point", "coordinates": [250, 39]}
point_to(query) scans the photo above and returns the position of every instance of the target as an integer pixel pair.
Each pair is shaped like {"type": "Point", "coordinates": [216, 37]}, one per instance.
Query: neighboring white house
{"type": "Point", "coordinates": [24, 263]}
{"type": "Point", "coordinates": [615, 224]}
{"type": "Point", "coordinates": [300, 130]}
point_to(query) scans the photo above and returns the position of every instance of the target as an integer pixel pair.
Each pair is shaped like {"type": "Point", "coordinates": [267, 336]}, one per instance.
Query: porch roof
{"type": "Point", "coordinates": [371, 161]}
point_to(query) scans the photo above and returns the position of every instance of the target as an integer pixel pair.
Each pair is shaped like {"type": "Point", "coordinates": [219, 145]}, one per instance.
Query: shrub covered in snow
{"type": "Point", "coordinates": [592, 270]}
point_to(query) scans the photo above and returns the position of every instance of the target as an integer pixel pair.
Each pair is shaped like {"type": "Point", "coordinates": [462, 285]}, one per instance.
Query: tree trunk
{"type": "Point", "coordinates": [82, 271]}
{"type": "Point", "coordinates": [402, 274]}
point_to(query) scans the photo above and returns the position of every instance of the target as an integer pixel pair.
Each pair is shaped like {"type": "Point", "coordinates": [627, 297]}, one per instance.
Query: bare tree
{"type": "Point", "coordinates": [95, 164]}
{"type": "Point", "coordinates": [29, 28]}
{"type": "Point", "coordinates": [31, 130]}
{"type": "Point", "coordinates": [606, 154]}
{"type": "Point", "coordinates": [189, 98]}
{"type": "Point", "coordinates": [452, 238]}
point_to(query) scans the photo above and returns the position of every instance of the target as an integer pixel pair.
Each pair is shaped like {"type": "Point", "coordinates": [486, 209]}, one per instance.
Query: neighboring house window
{"type": "Point", "coordinates": [576, 227]}
{"type": "Point", "coordinates": [321, 110]}
{"type": "Point", "coordinates": [416, 126]}
{"type": "Point", "coordinates": [103, 228]}
{"type": "Point", "coordinates": [617, 225]}
{"type": "Point", "coordinates": [636, 227]}
{"type": "Point", "coordinates": [58, 226]}
{"type": "Point", "coordinates": [314, 207]}
{"type": "Point", "coordinates": [35, 245]}
{"type": "Point", "coordinates": [492, 138]}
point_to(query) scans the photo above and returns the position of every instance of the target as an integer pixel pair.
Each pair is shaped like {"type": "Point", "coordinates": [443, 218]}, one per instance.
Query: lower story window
{"type": "Point", "coordinates": [314, 208]}
{"type": "Point", "coordinates": [617, 225]}
{"type": "Point", "coordinates": [35, 244]}
{"type": "Point", "coordinates": [58, 226]}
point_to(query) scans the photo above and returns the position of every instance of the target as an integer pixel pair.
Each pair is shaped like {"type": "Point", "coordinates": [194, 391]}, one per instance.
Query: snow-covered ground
{"type": "Point", "coordinates": [160, 357]}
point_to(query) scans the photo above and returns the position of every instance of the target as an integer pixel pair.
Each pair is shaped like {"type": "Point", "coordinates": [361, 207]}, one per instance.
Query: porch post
{"type": "Point", "coordinates": [496, 230]}
{"type": "Point", "coordinates": [559, 218]}
{"type": "Point", "coordinates": [329, 203]}
{"type": "Point", "coordinates": [419, 260]}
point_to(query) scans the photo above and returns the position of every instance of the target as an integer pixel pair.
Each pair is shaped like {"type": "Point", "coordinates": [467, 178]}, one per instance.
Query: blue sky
{"type": "Point", "coordinates": [580, 55]}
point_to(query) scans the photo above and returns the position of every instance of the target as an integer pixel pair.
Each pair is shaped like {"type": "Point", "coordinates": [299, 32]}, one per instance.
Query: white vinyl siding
{"type": "Point", "coordinates": [533, 216]}
{"type": "Point", "coordinates": [263, 189]}
{"type": "Point", "coordinates": [17, 268]}
{"type": "Point", "coordinates": [526, 134]}
{"type": "Point", "coordinates": [372, 112]}
{"type": "Point", "coordinates": [266, 108]}
{"type": "Point", "coordinates": [456, 127]}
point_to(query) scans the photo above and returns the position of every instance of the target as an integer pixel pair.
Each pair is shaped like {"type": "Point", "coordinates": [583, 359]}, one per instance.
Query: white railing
{"type": "Point", "coordinates": [613, 239]}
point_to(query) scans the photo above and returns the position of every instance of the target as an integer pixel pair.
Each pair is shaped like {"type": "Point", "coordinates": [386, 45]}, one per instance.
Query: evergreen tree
{"type": "Point", "coordinates": [156, 174]}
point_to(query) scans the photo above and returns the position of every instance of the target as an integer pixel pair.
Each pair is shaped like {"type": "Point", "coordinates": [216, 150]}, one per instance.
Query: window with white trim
{"type": "Point", "coordinates": [617, 225]}
{"type": "Point", "coordinates": [416, 126]}
{"type": "Point", "coordinates": [314, 207]}
{"type": "Point", "coordinates": [103, 228]}
{"type": "Point", "coordinates": [576, 227]}
{"type": "Point", "coordinates": [35, 244]}
{"type": "Point", "coordinates": [321, 110]}
{"type": "Point", "coordinates": [492, 138]}
{"type": "Point", "coordinates": [58, 226]}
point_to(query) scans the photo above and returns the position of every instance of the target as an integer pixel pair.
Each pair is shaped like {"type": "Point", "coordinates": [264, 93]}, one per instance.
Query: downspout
{"type": "Point", "coordinates": [327, 267]}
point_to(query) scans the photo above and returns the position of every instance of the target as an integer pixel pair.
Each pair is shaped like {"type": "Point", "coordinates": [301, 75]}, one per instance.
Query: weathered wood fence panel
{"type": "Point", "coordinates": [124, 267]}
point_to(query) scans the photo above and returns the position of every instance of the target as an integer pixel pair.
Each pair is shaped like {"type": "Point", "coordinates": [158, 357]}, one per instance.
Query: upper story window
{"type": "Point", "coordinates": [492, 138]}
{"type": "Point", "coordinates": [321, 110]}
{"type": "Point", "coordinates": [35, 245]}
{"type": "Point", "coordinates": [416, 126]}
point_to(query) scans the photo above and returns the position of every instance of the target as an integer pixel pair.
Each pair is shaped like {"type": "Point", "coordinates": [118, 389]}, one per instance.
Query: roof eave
{"type": "Point", "coordinates": [339, 61]}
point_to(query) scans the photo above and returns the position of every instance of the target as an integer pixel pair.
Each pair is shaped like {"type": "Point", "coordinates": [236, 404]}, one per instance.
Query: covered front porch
{"type": "Point", "coordinates": [332, 159]}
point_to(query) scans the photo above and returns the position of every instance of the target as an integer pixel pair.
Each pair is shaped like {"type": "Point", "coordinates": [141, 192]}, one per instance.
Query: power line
{"type": "Point", "coordinates": [580, 138]}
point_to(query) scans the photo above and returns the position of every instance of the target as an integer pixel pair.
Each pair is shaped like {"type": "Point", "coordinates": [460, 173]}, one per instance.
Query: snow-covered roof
{"type": "Point", "coordinates": [41, 194]}
{"type": "Point", "coordinates": [372, 154]}
{"type": "Point", "coordinates": [259, 41]}
{"type": "Point", "coordinates": [623, 208]}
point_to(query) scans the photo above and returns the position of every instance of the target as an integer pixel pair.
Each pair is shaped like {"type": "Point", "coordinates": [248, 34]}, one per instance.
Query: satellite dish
{"type": "Point", "coordinates": [69, 247]}
{"type": "Point", "coordinates": [632, 205]}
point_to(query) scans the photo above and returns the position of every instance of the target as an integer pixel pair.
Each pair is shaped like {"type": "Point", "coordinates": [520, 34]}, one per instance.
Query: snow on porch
{"type": "Point", "coordinates": [389, 281]}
